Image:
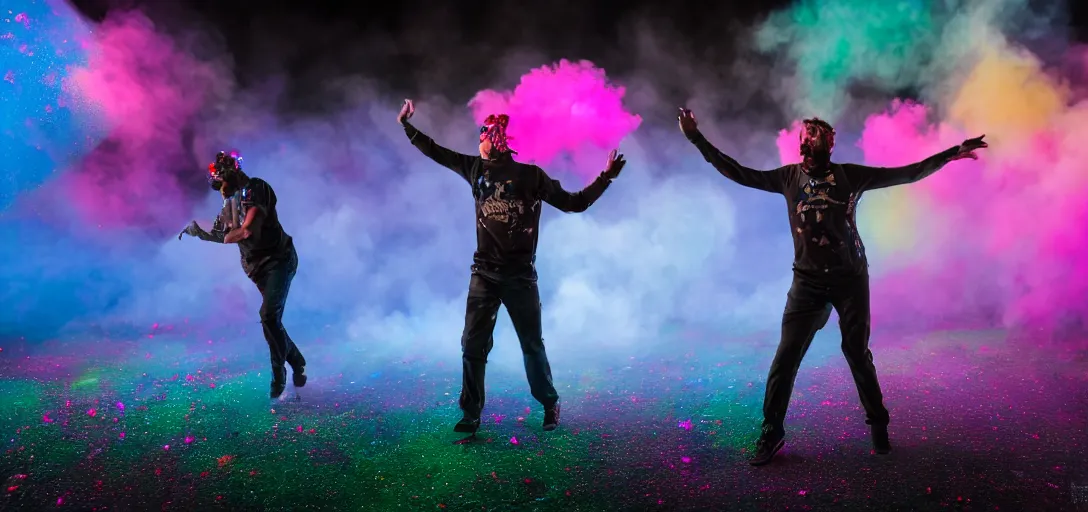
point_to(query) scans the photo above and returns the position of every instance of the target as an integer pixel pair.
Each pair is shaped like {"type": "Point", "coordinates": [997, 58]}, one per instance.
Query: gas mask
{"type": "Point", "coordinates": [226, 168]}
{"type": "Point", "coordinates": [494, 130]}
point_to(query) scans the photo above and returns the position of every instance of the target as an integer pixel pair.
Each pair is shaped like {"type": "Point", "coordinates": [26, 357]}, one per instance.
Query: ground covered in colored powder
{"type": "Point", "coordinates": [979, 423]}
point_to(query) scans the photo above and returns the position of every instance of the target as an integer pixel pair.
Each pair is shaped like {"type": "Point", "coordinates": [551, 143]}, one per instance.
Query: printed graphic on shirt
{"type": "Point", "coordinates": [502, 202]}
{"type": "Point", "coordinates": [812, 205]}
{"type": "Point", "coordinates": [851, 208]}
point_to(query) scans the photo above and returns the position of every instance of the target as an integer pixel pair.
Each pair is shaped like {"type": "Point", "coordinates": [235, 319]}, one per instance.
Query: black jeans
{"type": "Point", "coordinates": [808, 307]}
{"type": "Point", "coordinates": [522, 300]}
{"type": "Point", "coordinates": [274, 281]}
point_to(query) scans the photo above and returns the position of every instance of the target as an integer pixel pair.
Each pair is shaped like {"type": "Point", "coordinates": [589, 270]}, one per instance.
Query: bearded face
{"type": "Point", "coordinates": [817, 139]}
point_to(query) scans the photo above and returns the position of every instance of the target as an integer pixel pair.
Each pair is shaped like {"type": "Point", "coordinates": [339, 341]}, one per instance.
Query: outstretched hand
{"type": "Point", "coordinates": [406, 112]}
{"type": "Point", "coordinates": [615, 165]}
{"type": "Point", "coordinates": [687, 122]}
{"type": "Point", "coordinates": [968, 147]}
{"type": "Point", "coordinates": [193, 229]}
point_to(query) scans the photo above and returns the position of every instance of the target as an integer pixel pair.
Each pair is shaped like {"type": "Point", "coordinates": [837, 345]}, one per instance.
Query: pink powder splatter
{"type": "Point", "coordinates": [569, 108]}
{"type": "Point", "coordinates": [789, 144]}
{"type": "Point", "coordinates": [147, 91]}
{"type": "Point", "coordinates": [999, 239]}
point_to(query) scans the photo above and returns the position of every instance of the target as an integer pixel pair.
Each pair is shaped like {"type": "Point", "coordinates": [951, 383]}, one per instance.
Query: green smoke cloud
{"type": "Point", "coordinates": [887, 45]}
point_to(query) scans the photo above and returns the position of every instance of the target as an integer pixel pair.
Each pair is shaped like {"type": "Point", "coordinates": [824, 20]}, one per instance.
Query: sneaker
{"type": "Point", "coordinates": [881, 443]}
{"type": "Point", "coordinates": [279, 382]}
{"type": "Point", "coordinates": [467, 425]}
{"type": "Point", "coordinates": [770, 441]}
{"type": "Point", "coordinates": [551, 418]}
{"type": "Point", "coordinates": [298, 377]}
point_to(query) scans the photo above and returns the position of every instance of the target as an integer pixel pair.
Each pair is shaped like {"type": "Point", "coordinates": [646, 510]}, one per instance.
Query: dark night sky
{"type": "Point", "coordinates": [441, 48]}
{"type": "Point", "coordinates": [419, 47]}
{"type": "Point", "coordinates": [572, 29]}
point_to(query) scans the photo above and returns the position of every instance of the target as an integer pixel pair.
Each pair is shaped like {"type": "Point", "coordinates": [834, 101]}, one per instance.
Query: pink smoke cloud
{"type": "Point", "coordinates": [1016, 250]}
{"type": "Point", "coordinates": [146, 92]}
{"type": "Point", "coordinates": [567, 109]}
{"type": "Point", "coordinates": [789, 144]}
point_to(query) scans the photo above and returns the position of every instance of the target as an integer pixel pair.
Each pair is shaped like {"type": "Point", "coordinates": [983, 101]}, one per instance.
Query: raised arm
{"type": "Point", "coordinates": [552, 192]}
{"type": "Point", "coordinates": [872, 178]}
{"type": "Point", "coordinates": [459, 163]}
{"type": "Point", "coordinates": [769, 181]}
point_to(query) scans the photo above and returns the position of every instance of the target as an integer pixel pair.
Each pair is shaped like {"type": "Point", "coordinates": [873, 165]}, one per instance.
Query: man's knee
{"type": "Point", "coordinates": [474, 348]}
{"type": "Point", "coordinates": [856, 351]}
{"type": "Point", "coordinates": [784, 366]}
{"type": "Point", "coordinates": [271, 316]}
{"type": "Point", "coordinates": [533, 347]}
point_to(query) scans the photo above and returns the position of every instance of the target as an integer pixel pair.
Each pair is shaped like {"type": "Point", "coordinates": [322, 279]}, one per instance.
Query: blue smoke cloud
{"type": "Point", "coordinates": [672, 252]}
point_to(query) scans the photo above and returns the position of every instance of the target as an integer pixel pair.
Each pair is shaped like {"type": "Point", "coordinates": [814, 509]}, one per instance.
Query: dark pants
{"type": "Point", "coordinates": [522, 301]}
{"type": "Point", "coordinates": [808, 307]}
{"type": "Point", "coordinates": [274, 281]}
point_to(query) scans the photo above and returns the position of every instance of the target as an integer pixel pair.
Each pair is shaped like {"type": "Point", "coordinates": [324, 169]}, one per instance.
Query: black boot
{"type": "Point", "coordinates": [467, 425]}
{"type": "Point", "coordinates": [551, 418]}
{"type": "Point", "coordinates": [298, 376]}
{"type": "Point", "coordinates": [881, 443]}
{"type": "Point", "coordinates": [770, 441]}
{"type": "Point", "coordinates": [279, 381]}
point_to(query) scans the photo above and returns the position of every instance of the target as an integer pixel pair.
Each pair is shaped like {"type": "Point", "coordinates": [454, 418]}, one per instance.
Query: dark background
{"type": "Point", "coordinates": [665, 52]}
{"type": "Point", "coordinates": [419, 47]}
{"type": "Point", "coordinates": [568, 28]}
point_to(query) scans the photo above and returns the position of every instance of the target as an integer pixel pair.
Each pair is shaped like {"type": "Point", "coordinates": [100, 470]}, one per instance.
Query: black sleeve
{"type": "Point", "coordinates": [872, 178]}
{"type": "Point", "coordinates": [459, 163]}
{"type": "Point", "coordinates": [258, 195]}
{"type": "Point", "coordinates": [218, 232]}
{"type": "Point", "coordinates": [551, 192]}
{"type": "Point", "coordinates": [769, 181]}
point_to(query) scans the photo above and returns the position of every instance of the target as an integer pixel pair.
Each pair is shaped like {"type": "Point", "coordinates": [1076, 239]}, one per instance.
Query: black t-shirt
{"type": "Point", "coordinates": [823, 211]}
{"type": "Point", "coordinates": [508, 196]}
{"type": "Point", "coordinates": [269, 243]}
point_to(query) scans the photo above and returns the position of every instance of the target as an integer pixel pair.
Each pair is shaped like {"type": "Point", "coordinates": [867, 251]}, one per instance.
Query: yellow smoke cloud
{"type": "Point", "coordinates": [890, 219]}
{"type": "Point", "coordinates": [1007, 96]}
